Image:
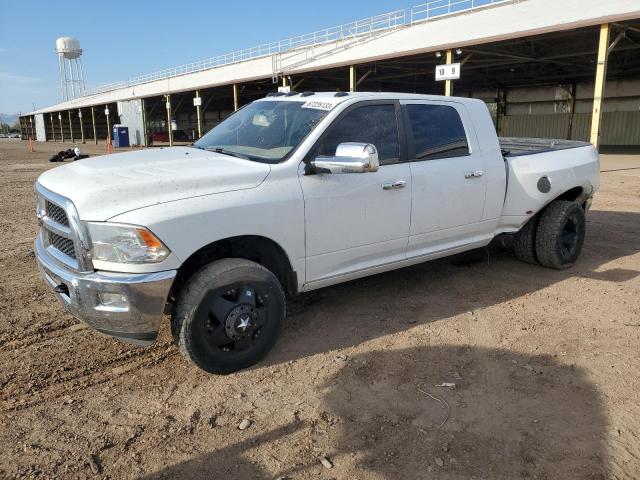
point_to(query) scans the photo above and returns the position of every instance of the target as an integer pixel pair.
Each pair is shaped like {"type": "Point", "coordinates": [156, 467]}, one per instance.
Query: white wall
{"type": "Point", "coordinates": [41, 135]}
{"type": "Point", "coordinates": [131, 116]}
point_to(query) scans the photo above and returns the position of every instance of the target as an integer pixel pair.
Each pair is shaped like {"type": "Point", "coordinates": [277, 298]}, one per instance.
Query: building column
{"type": "Point", "coordinates": [70, 126]}
{"type": "Point", "coordinates": [571, 108]}
{"type": "Point", "coordinates": [169, 129]}
{"type": "Point", "coordinates": [145, 137]}
{"type": "Point", "coordinates": [93, 122]}
{"type": "Point", "coordinates": [53, 128]}
{"type": "Point", "coordinates": [501, 111]}
{"type": "Point", "coordinates": [352, 78]}
{"type": "Point", "coordinates": [235, 97]}
{"type": "Point", "coordinates": [601, 77]}
{"type": "Point", "coordinates": [198, 113]}
{"type": "Point", "coordinates": [106, 114]}
{"type": "Point", "coordinates": [81, 125]}
{"type": "Point", "coordinates": [448, 84]}
{"type": "Point", "coordinates": [60, 122]}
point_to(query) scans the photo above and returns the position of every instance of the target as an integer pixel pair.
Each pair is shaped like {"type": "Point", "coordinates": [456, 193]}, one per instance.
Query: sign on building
{"type": "Point", "coordinates": [448, 72]}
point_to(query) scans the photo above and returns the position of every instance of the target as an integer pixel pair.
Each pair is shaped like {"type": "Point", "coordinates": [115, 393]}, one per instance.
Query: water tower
{"type": "Point", "coordinates": [70, 63]}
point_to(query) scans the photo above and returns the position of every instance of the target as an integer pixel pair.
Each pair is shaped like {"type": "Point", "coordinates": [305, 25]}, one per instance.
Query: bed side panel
{"type": "Point", "coordinates": [565, 169]}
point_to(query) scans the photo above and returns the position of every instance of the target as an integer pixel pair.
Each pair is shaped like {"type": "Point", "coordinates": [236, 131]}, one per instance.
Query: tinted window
{"type": "Point", "coordinates": [437, 131]}
{"type": "Point", "coordinates": [375, 124]}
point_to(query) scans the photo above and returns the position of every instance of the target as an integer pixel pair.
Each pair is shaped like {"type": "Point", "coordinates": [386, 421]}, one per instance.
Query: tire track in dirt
{"type": "Point", "coordinates": [19, 340]}
{"type": "Point", "coordinates": [78, 381]}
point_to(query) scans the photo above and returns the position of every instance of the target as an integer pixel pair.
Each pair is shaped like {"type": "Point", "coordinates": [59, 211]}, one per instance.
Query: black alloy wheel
{"type": "Point", "coordinates": [229, 315]}
{"type": "Point", "coordinates": [560, 234]}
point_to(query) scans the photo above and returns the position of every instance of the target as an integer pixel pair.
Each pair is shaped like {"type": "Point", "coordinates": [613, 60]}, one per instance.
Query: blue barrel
{"type": "Point", "coordinates": [120, 136]}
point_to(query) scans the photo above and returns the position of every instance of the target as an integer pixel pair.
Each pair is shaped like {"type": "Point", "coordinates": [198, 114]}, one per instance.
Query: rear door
{"type": "Point", "coordinates": [448, 182]}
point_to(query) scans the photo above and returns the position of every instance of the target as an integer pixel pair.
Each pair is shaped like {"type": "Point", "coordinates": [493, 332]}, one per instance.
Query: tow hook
{"type": "Point", "coordinates": [62, 288]}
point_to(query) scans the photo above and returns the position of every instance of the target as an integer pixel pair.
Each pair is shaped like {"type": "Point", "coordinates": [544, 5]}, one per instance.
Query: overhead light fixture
{"type": "Point", "coordinates": [458, 51]}
{"type": "Point", "coordinates": [438, 54]}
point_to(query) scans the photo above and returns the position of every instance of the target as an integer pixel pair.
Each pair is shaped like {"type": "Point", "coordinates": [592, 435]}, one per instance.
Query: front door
{"type": "Point", "coordinates": [357, 221]}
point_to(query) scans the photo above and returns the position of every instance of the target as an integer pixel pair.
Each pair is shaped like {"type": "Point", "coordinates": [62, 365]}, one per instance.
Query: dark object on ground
{"type": "Point", "coordinates": [64, 154]}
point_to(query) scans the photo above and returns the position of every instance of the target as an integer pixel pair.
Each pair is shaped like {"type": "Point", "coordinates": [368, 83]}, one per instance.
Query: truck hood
{"type": "Point", "coordinates": [106, 186]}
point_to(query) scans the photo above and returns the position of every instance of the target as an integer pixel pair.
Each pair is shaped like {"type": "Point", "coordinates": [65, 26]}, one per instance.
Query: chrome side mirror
{"type": "Point", "coordinates": [349, 158]}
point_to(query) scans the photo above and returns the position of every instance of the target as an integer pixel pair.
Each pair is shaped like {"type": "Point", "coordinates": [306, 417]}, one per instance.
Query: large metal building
{"type": "Point", "coordinates": [546, 68]}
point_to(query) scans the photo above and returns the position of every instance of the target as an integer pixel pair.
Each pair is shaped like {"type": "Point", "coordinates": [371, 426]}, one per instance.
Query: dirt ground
{"type": "Point", "coordinates": [546, 367]}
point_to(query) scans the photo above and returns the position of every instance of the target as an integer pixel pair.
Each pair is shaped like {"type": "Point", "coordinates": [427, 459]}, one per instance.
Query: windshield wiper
{"type": "Point", "coordinates": [228, 152]}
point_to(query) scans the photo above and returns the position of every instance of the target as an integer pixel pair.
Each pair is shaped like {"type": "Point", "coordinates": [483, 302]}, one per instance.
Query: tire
{"type": "Point", "coordinates": [228, 315]}
{"type": "Point", "coordinates": [560, 234]}
{"type": "Point", "coordinates": [524, 242]}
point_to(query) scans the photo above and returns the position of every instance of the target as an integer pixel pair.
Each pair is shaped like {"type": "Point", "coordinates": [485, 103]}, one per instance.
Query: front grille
{"type": "Point", "coordinates": [59, 237]}
{"type": "Point", "coordinates": [57, 214]}
{"type": "Point", "coordinates": [63, 244]}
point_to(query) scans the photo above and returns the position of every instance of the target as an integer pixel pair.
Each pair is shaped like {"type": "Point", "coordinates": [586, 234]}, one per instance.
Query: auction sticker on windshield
{"type": "Point", "coordinates": [318, 105]}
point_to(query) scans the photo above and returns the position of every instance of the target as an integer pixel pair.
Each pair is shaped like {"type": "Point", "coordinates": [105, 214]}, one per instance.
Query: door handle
{"type": "Point", "coordinates": [394, 185]}
{"type": "Point", "coordinates": [476, 174]}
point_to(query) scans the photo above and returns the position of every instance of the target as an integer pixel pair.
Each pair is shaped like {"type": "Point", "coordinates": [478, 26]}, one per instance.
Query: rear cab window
{"type": "Point", "coordinates": [435, 131]}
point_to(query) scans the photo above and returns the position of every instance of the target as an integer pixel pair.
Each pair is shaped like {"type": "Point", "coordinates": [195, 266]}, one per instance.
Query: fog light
{"type": "Point", "coordinates": [113, 300]}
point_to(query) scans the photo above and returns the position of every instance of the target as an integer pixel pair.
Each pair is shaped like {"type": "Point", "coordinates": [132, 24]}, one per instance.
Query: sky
{"type": "Point", "coordinates": [125, 39]}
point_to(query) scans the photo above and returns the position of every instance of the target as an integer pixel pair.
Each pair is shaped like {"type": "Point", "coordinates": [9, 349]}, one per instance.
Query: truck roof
{"type": "Point", "coordinates": [339, 97]}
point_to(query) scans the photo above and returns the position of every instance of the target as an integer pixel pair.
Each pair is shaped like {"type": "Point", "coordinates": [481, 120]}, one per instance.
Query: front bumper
{"type": "Point", "coordinates": [137, 320]}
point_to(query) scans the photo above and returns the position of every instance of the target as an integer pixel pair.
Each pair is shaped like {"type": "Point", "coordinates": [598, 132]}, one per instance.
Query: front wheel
{"type": "Point", "coordinates": [560, 234]}
{"type": "Point", "coordinates": [228, 315]}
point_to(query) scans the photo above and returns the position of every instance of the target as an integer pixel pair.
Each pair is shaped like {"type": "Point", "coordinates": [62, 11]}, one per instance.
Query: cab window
{"type": "Point", "coordinates": [437, 131]}
{"type": "Point", "coordinates": [375, 124]}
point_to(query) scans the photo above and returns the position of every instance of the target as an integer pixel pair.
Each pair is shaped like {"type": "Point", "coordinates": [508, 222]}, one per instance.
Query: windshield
{"type": "Point", "coordinates": [264, 131]}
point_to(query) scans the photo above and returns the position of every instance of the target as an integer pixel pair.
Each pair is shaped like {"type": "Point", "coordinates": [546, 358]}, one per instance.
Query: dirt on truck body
{"type": "Point", "coordinates": [450, 369]}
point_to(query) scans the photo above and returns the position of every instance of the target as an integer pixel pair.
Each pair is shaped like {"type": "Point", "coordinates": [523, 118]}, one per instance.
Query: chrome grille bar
{"type": "Point", "coordinates": [56, 213]}
{"type": "Point", "coordinates": [63, 235]}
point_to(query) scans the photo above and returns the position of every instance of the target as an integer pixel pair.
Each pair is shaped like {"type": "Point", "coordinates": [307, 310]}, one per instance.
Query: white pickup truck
{"type": "Point", "coordinates": [292, 193]}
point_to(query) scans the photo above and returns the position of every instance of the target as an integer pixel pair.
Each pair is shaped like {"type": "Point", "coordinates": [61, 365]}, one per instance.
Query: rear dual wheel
{"type": "Point", "coordinates": [229, 315]}
{"type": "Point", "coordinates": [524, 242]}
{"type": "Point", "coordinates": [553, 238]}
{"type": "Point", "coordinates": [560, 234]}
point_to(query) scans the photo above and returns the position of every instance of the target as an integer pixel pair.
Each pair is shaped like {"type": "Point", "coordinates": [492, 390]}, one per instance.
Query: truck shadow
{"type": "Point", "coordinates": [349, 314]}
{"type": "Point", "coordinates": [509, 416]}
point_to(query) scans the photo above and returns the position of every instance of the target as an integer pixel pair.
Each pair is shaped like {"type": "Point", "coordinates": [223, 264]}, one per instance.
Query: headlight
{"type": "Point", "coordinates": [118, 243]}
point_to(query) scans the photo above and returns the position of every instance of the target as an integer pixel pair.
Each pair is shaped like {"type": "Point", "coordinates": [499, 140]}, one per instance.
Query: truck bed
{"type": "Point", "coordinates": [518, 146]}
